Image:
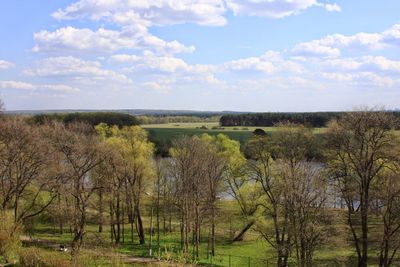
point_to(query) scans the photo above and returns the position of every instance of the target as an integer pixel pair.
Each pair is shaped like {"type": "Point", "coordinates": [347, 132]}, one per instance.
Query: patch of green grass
{"type": "Point", "coordinates": [165, 133]}
{"type": "Point", "coordinates": [253, 248]}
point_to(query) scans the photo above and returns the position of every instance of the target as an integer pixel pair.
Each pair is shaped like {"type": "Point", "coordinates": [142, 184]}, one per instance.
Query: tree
{"type": "Point", "coordinates": [386, 193]}
{"type": "Point", "coordinates": [293, 189]}
{"type": "Point", "coordinates": [136, 154]}
{"type": "Point", "coordinates": [259, 132]}
{"type": "Point", "coordinates": [360, 149]}
{"type": "Point", "coordinates": [216, 166]}
{"type": "Point", "coordinates": [81, 152]}
{"type": "Point", "coordinates": [2, 107]}
{"type": "Point", "coordinates": [237, 183]}
{"type": "Point", "coordinates": [187, 169]}
{"type": "Point", "coordinates": [29, 172]}
{"type": "Point", "coordinates": [275, 205]}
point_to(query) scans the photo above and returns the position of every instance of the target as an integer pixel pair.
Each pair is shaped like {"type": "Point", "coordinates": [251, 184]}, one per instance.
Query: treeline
{"type": "Point", "coordinates": [162, 119]}
{"type": "Point", "coordinates": [91, 118]}
{"type": "Point", "coordinates": [310, 119]}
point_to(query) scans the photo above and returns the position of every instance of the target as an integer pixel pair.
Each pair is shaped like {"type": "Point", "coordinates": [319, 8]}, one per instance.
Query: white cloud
{"type": "Point", "coordinates": [362, 79]}
{"type": "Point", "coordinates": [332, 7]}
{"type": "Point", "coordinates": [331, 45]}
{"type": "Point", "coordinates": [75, 68]}
{"type": "Point", "coordinates": [151, 62]}
{"type": "Point", "coordinates": [5, 64]}
{"type": "Point", "coordinates": [274, 8]}
{"type": "Point", "coordinates": [103, 41]}
{"type": "Point", "coordinates": [252, 64]}
{"type": "Point", "coordinates": [315, 49]}
{"type": "Point", "coordinates": [377, 64]}
{"type": "Point", "coordinates": [155, 12]}
{"type": "Point", "coordinates": [18, 85]}
{"type": "Point", "coordinates": [58, 87]}
{"type": "Point", "coordinates": [269, 62]}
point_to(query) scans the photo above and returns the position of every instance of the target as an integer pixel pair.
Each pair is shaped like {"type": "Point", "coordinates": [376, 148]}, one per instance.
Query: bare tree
{"type": "Point", "coordinates": [2, 106]}
{"type": "Point", "coordinates": [361, 146]}
{"type": "Point", "coordinates": [276, 208]}
{"type": "Point", "coordinates": [81, 153]}
{"type": "Point", "coordinates": [293, 191]}
{"type": "Point", "coordinates": [307, 188]}
{"type": "Point", "coordinates": [28, 169]}
{"type": "Point", "coordinates": [188, 172]}
{"type": "Point", "coordinates": [386, 193]}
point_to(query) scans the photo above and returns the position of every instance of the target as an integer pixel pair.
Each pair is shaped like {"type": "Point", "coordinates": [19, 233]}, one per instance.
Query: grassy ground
{"type": "Point", "coordinates": [253, 249]}
{"type": "Point", "coordinates": [163, 134]}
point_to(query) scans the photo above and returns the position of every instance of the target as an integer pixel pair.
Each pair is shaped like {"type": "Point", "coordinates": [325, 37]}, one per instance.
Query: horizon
{"type": "Point", "coordinates": [210, 56]}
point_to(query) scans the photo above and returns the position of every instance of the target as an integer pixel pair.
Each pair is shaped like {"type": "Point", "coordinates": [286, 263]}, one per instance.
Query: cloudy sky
{"type": "Point", "coordinates": [255, 55]}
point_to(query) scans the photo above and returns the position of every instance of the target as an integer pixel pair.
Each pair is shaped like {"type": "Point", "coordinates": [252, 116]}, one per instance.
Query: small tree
{"type": "Point", "coordinates": [2, 107]}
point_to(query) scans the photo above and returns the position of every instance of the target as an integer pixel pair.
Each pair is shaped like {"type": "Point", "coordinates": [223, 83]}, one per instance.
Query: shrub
{"type": "Point", "coordinates": [34, 257]}
{"type": "Point", "coordinates": [9, 237]}
{"type": "Point", "coordinates": [259, 132]}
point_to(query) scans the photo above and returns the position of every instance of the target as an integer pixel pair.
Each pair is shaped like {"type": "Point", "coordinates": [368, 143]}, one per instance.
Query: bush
{"type": "Point", "coordinates": [29, 257]}
{"type": "Point", "coordinates": [259, 132]}
{"type": "Point", "coordinates": [34, 257]}
{"type": "Point", "coordinates": [9, 237]}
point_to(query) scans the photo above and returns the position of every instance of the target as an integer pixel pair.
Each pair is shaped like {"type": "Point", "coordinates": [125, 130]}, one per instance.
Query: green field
{"type": "Point", "coordinates": [162, 133]}
{"type": "Point", "coordinates": [252, 251]}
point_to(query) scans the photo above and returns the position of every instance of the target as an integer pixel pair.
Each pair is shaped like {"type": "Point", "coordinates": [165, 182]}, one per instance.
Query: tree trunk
{"type": "Point", "coordinates": [240, 236]}
{"type": "Point", "coordinates": [213, 231]}
{"type": "Point", "coordinates": [140, 229]}
{"type": "Point", "coordinates": [100, 211]}
{"type": "Point", "coordinates": [364, 230]}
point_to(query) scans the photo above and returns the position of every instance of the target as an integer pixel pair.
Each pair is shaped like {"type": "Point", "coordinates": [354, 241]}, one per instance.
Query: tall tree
{"type": "Point", "coordinates": [2, 107]}
{"type": "Point", "coordinates": [29, 174]}
{"type": "Point", "coordinates": [361, 147]}
{"type": "Point", "coordinates": [187, 169]}
{"type": "Point", "coordinates": [216, 166]}
{"type": "Point", "coordinates": [137, 154]}
{"type": "Point", "coordinates": [293, 191]}
{"type": "Point", "coordinates": [386, 195]}
{"type": "Point", "coordinates": [81, 152]}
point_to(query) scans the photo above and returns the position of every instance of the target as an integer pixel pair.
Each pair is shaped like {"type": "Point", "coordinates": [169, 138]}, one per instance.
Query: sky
{"type": "Point", "coordinates": [255, 55]}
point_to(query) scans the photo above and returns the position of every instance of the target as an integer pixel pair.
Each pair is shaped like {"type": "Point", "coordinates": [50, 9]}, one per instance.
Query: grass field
{"type": "Point", "coordinates": [164, 133]}
{"type": "Point", "coordinates": [252, 251]}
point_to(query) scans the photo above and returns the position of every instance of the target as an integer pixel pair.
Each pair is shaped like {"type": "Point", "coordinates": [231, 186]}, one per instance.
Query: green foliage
{"type": "Point", "coordinates": [259, 132]}
{"type": "Point", "coordinates": [132, 144]}
{"type": "Point", "coordinates": [92, 118]}
{"type": "Point", "coordinates": [313, 119]}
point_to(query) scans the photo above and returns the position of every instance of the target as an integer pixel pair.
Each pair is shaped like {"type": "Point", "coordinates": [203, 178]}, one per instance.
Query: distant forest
{"type": "Point", "coordinates": [91, 118]}
{"type": "Point", "coordinates": [311, 119]}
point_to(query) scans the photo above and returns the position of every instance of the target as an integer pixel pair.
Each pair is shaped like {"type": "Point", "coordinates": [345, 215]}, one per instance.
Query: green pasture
{"type": "Point", "coordinates": [252, 251]}
{"type": "Point", "coordinates": [165, 133]}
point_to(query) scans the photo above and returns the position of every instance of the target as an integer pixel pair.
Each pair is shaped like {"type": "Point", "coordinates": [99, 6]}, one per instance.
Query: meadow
{"type": "Point", "coordinates": [252, 251]}
{"type": "Point", "coordinates": [161, 133]}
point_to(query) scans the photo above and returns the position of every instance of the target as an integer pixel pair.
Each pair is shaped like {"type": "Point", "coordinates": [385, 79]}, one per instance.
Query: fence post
{"type": "Point", "coordinates": [249, 261]}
